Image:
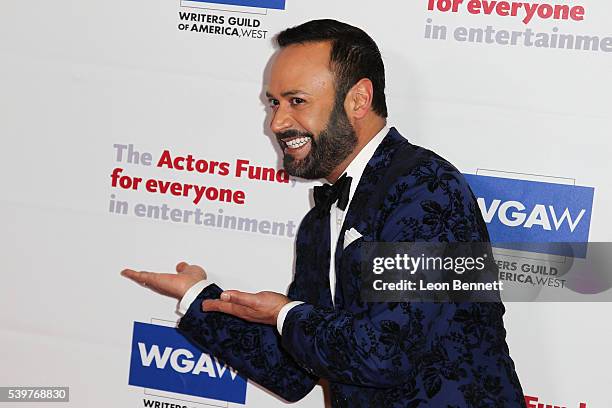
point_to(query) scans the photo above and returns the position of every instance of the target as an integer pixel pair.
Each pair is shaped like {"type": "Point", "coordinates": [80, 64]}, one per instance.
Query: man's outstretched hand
{"type": "Point", "coordinates": [170, 284]}
{"type": "Point", "coordinates": [262, 307]}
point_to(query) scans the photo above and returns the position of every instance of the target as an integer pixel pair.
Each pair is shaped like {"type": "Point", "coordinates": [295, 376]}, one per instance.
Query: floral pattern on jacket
{"type": "Point", "coordinates": [412, 354]}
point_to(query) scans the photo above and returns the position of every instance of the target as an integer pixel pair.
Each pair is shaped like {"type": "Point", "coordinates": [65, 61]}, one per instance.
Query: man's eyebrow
{"type": "Point", "coordinates": [288, 93]}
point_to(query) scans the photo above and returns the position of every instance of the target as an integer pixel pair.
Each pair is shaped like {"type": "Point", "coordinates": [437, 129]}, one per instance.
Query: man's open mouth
{"type": "Point", "coordinates": [296, 142]}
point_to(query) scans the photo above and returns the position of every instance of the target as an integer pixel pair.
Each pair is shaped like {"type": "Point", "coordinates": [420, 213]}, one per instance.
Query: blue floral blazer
{"type": "Point", "coordinates": [425, 354]}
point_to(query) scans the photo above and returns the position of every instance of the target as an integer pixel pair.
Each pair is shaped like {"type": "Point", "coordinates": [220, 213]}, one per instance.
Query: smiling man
{"type": "Point", "coordinates": [303, 111]}
{"type": "Point", "coordinates": [326, 92]}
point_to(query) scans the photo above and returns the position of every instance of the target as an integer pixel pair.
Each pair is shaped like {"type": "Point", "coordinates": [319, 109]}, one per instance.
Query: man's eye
{"type": "Point", "coordinates": [297, 101]}
{"type": "Point", "coordinates": [273, 103]}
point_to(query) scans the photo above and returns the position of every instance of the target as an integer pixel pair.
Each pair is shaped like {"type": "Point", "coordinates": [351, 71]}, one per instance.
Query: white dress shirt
{"type": "Point", "coordinates": [355, 170]}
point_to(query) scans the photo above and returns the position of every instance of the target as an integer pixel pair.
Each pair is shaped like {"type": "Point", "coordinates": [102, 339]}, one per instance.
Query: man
{"type": "Point", "coordinates": [326, 92]}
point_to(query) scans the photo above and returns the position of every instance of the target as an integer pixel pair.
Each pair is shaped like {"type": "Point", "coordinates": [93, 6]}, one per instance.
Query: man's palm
{"type": "Point", "coordinates": [170, 284]}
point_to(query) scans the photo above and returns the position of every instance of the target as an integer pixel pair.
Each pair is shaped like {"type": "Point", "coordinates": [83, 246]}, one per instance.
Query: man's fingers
{"type": "Point", "coordinates": [137, 276]}
{"type": "Point", "coordinates": [243, 312]}
{"type": "Point", "coordinates": [149, 279]}
{"type": "Point", "coordinates": [184, 267]}
{"type": "Point", "coordinates": [211, 305]}
{"type": "Point", "coordinates": [237, 297]}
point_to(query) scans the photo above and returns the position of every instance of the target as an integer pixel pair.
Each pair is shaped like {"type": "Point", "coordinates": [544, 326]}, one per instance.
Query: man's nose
{"type": "Point", "coordinates": [281, 120]}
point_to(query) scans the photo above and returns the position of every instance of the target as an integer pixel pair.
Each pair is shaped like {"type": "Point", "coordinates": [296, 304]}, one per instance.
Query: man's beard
{"type": "Point", "coordinates": [334, 144]}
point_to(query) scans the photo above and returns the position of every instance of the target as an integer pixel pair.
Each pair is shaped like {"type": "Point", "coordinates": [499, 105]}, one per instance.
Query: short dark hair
{"type": "Point", "coordinates": [354, 56]}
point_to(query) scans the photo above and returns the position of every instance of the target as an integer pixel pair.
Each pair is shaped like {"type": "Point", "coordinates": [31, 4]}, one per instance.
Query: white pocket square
{"type": "Point", "coordinates": [350, 236]}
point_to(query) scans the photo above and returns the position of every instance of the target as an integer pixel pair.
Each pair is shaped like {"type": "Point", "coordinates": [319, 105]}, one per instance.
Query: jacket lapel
{"type": "Point", "coordinates": [362, 210]}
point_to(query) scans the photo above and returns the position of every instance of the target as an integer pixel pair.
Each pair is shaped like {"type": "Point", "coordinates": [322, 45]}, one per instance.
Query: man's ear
{"type": "Point", "coordinates": [358, 101]}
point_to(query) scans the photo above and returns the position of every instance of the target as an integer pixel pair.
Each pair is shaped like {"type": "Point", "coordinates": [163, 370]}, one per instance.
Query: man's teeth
{"type": "Point", "coordinates": [299, 142]}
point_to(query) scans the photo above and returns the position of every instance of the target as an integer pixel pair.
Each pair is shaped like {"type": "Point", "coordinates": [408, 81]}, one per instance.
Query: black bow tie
{"type": "Point", "coordinates": [327, 194]}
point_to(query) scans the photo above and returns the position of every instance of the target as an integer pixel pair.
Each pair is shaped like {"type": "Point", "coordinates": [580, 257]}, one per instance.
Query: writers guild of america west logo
{"type": "Point", "coordinates": [237, 19]}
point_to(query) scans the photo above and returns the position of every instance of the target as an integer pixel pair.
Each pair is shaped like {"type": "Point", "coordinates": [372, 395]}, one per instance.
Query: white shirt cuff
{"type": "Point", "coordinates": [191, 294]}
{"type": "Point", "coordinates": [282, 314]}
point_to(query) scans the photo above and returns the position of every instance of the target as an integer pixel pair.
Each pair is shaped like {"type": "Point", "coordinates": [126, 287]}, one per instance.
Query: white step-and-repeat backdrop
{"type": "Point", "coordinates": [516, 94]}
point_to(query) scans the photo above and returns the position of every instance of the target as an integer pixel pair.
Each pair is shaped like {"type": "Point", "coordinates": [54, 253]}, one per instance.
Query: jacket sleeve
{"type": "Point", "coordinates": [381, 346]}
{"type": "Point", "coordinates": [253, 349]}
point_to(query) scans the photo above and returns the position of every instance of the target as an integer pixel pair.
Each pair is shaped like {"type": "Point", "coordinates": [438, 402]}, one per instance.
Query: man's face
{"type": "Point", "coordinates": [310, 123]}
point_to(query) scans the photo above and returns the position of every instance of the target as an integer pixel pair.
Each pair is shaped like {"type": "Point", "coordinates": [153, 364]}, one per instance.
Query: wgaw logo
{"type": "Point", "coordinates": [163, 359]}
{"type": "Point", "coordinates": [523, 211]}
{"type": "Point", "coordinates": [243, 19]}
{"type": "Point", "coordinates": [266, 4]}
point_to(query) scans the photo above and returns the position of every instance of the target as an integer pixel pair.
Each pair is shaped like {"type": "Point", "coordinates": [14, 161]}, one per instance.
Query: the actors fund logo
{"type": "Point", "coordinates": [524, 211]}
{"type": "Point", "coordinates": [163, 359]}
